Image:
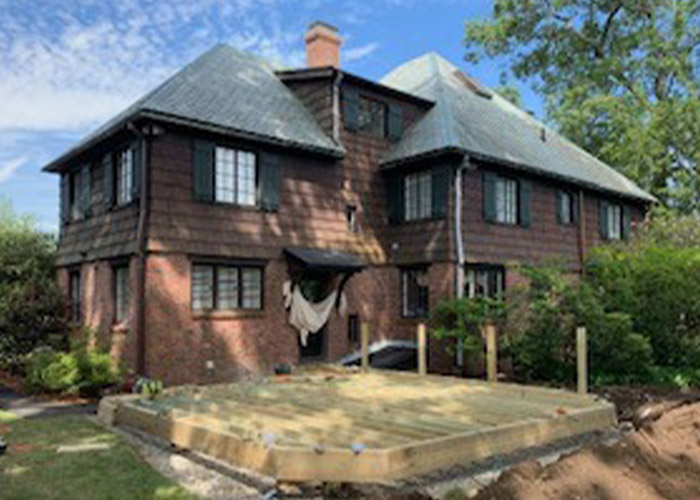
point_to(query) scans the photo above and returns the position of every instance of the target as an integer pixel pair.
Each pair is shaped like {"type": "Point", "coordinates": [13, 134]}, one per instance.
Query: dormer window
{"type": "Point", "coordinates": [235, 176]}
{"type": "Point", "coordinates": [372, 116]}
{"type": "Point", "coordinates": [125, 176]}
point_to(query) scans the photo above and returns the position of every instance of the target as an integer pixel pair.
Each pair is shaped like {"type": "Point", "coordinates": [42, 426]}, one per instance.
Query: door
{"type": "Point", "coordinates": [315, 286]}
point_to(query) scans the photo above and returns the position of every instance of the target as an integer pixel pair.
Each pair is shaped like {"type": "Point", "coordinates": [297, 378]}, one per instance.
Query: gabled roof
{"type": "Point", "coordinates": [471, 119]}
{"type": "Point", "coordinates": [228, 91]}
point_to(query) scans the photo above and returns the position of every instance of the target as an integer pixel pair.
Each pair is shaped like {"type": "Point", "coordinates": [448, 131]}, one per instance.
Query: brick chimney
{"type": "Point", "coordinates": [322, 45]}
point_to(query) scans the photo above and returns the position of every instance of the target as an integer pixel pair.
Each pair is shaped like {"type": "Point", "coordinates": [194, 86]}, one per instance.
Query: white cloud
{"type": "Point", "coordinates": [357, 53]}
{"type": "Point", "coordinates": [8, 168]}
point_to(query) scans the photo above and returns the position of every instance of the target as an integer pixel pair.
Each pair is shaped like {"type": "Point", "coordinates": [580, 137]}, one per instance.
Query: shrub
{"type": "Point", "coordinates": [81, 370]}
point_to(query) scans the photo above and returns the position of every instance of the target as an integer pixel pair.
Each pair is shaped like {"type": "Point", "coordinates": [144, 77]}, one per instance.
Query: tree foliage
{"type": "Point", "coordinates": [30, 303]}
{"type": "Point", "coordinates": [619, 77]}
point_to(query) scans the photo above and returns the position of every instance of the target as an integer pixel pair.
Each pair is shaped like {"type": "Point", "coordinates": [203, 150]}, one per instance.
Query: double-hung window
{"type": "Point", "coordinates": [125, 176]}
{"type": "Point", "coordinates": [235, 176]}
{"type": "Point", "coordinates": [418, 196]}
{"type": "Point", "coordinates": [226, 287]}
{"type": "Point", "coordinates": [484, 281]}
{"type": "Point", "coordinates": [414, 286]}
{"type": "Point", "coordinates": [121, 293]}
{"type": "Point", "coordinates": [506, 200]}
{"type": "Point", "coordinates": [613, 221]}
{"type": "Point", "coordinates": [565, 207]}
{"type": "Point", "coordinates": [75, 292]}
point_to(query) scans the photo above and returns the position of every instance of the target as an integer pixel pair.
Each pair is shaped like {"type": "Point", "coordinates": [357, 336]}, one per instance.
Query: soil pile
{"type": "Point", "coordinates": [660, 461]}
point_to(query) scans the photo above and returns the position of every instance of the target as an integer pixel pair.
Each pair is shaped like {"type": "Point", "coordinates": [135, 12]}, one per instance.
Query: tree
{"type": "Point", "coordinates": [619, 77]}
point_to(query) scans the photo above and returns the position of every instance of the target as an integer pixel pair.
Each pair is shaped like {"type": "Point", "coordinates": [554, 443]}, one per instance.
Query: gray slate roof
{"type": "Point", "coordinates": [232, 91]}
{"type": "Point", "coordinates": [494, 129]}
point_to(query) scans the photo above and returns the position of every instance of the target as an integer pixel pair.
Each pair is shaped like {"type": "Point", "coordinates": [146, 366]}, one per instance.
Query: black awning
{"type": "Point", "coordinates": [327, 260]}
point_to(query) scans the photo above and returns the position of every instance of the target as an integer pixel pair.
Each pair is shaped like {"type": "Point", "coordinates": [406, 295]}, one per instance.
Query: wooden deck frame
{"type": "Point", "coordinates": [296, 463]}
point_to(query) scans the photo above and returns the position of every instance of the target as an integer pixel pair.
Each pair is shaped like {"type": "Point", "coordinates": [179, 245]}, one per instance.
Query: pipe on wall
{"type": "Point", "coordinates": [459, 249]}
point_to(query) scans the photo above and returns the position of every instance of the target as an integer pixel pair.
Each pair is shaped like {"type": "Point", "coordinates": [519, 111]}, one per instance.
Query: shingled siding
{"type": "Point", "coordinates": [107, 233]}
{"type": "Point", "coordinates": [544, 241]}
{"type": "Point", "coordinates": [317, 96]}
{"type": "Point", "coordinates": [311, 213]}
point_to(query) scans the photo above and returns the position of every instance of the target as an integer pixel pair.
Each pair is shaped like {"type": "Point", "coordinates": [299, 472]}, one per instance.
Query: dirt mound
{"type": "Point", "coordinates": [661, 461]}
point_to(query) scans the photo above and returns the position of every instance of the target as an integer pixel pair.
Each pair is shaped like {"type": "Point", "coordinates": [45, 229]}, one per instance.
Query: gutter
{"type": "Point", "coordinates": [141, 250]}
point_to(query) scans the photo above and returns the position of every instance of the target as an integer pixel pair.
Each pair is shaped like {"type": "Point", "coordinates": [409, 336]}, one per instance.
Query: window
{"type": "Point", "coordinates": [418, 196]}
{"type": "Point", "coordinates": [484, 281]}
{"type": "Point", "coordinates": [224, 287]}
{"type": "Point", "coordinates": [75, 194]}
{"type": "Point", "coordinates": [613, 221]}
{"type": "Point", "coordinates": [372, 116]}
{"type": "Point", "coordinates": [121, 293]}
{"type": "Point", "coordinates": [565, 207]}
{"type": "Point", "coordinates": [75, 293]}
{"type": "Point", "coordinates": [125, 176]}
{"type": "Point", "coordinates": [235, 177]}
{"type": "Point", "coordinates": [506, 200]}
{"type": "Point", "coordinates": [351, 217]}
{"type": "Point", "coordinates": [415, 292]}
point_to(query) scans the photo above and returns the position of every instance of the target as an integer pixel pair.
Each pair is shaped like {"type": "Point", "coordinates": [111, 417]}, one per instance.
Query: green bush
{"type": "Point", "coordinates": [82, 370]}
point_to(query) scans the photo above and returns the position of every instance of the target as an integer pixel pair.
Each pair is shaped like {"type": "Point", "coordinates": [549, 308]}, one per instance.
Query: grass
{"type": "Point", "coordinates": [33, 469]}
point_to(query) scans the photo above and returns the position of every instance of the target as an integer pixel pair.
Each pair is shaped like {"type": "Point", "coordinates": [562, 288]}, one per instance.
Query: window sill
{"type": "Point", "coordinates": [227, 315]}
{"type": "Point", "coordinates": [414, 222]}
{"type": "Point", "coordinates": [248, 208]}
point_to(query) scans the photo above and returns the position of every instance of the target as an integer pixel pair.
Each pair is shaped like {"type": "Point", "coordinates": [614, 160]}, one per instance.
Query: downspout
{"type": "Point", "coordinates": [141, 251]}
{"type": "Point", "coordinates": [582, 231]}
{"type": "Point", "coordinates": [459, 250]}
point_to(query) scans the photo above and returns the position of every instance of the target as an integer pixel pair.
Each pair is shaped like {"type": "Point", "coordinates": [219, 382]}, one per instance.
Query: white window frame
{"type": "Point", "coordinates": [613, 215]}
{"type": "Point", "coordinates": [418, 196]}
{"type": "Point", "coordinates": [506, 194]}
{"type": "Point", "coordinates": [235, 176]}
{"type": "Point", "coordinates": [481, 282]}
{"type": "Point", "coordinates": [125, 177]}
{"type": "Point", "coordinates": [566, 208]}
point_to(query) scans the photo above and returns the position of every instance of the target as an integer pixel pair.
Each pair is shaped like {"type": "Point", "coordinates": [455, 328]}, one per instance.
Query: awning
{"type": "Point", "coordinates": [327, 260]}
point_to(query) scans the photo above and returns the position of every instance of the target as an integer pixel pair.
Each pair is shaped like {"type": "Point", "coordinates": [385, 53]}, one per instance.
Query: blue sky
{"type": "Point", "coordinates": [66, 66]}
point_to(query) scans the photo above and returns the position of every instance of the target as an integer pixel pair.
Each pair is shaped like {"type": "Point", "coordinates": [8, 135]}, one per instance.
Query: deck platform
{"type": "Point", "coordinates": [352, 427]}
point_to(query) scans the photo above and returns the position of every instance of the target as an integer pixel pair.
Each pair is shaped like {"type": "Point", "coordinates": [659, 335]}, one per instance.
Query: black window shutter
{"type": "Point", "coordinates": [270, 172]}
{"type": "Point", "coordinates": [575, 209]}
{"type": "Point", "coordinates": [394, 123]}
{"type": "Point", "coordinates": [394, 186]}
{"type": "Point", "coordinates": [108, 179]}
{"type": "Point", "coordinates": [203, 170]}
{"type": "Point", "coordinates": [351, 109]}
{"type": "Point", "coordinates": [489, 195]}
{"type": "Point", "coordinates": [603, 219]}
{"type": "Point", "coordinates": [137, 169]}
{"type": "Point", "coordinates": [65, 197]}
{"type": "Point", "coordinates": [524, 188]}
{"type": "Point", "coordinates": [440, 191]}
{"type": "Point", "coordinates": [626, 221]}
{"type": "Point", "coordinates": [85, 190]}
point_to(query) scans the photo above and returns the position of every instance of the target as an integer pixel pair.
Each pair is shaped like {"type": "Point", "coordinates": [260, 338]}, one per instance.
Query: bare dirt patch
{"type": "Point", "coordinates": [660, 461]}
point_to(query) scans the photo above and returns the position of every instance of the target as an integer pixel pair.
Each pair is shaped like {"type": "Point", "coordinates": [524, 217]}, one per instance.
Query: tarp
{"type": "Point", "coordinates": [308, 317]}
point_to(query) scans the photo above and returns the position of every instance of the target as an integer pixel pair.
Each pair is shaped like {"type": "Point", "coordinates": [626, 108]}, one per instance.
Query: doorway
{"type": "Point", "coordinates": [315, 286]}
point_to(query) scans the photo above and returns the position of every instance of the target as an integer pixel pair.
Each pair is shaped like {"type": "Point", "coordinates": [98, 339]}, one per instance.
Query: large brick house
{"type": "Point", "coordinates": [183, 217]}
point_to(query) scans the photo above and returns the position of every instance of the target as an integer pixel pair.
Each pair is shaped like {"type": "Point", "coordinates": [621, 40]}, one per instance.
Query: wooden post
{"type": "Point", "coordinates": [582, 359]}
{"type": "Point", "coordinates": [491, 353]}
{"type": "Point", "coordinates": [364, 346]}
{"type": "Point", "coordinates": [422, 350]}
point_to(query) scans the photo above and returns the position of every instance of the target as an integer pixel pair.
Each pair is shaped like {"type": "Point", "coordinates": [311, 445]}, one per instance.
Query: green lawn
{"type": "Point", "coordinates": [33, 470]}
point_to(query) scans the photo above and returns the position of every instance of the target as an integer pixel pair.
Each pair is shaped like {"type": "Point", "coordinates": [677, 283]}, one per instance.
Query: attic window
{"type": "Point", "coordinates": [473, 85]}
{"type": "Point", "coordinates": [372, 116]}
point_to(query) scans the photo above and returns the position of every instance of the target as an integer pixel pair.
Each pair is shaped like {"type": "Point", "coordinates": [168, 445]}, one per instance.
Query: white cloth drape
{"type": "Point", "coordinates": [308, 317]}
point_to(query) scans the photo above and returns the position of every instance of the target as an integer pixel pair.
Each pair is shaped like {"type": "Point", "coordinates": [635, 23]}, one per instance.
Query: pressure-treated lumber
{"type": "Point", "coordinates": [364, 346]}
{"type": "Point", "coordinates": [422, 350]}
{"type": "Point", "coordinates": [344, 426]}
{"type": "Point", "coordinates": [582, 359]}
{"type": "Point", "coordinates": [491, 353]}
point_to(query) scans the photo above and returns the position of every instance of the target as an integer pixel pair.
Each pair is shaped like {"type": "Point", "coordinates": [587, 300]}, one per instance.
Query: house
{"type": "Point", "coordinates": [184, 216]}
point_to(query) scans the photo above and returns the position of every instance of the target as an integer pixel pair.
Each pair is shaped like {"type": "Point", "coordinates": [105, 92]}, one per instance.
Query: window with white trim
{"type": "Point", "coordinates": [418, 196]}
{"type": "Point", "coordinates": [226, 287]}
{"type": "Point", "coordinates": [125, 176]}
{"type": "Point", "coordinates": [566, 207]}
{"type": "Point", "coordinates": [613, 216]}
{"type": "Point", "coordinates": [414, 285]}
{"type": "Point", "coordinates": [484, 281]}
{"type": "Point", "coordinates": [235, 176]}
{"type": "Point", "coordinates": [506, 200]}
